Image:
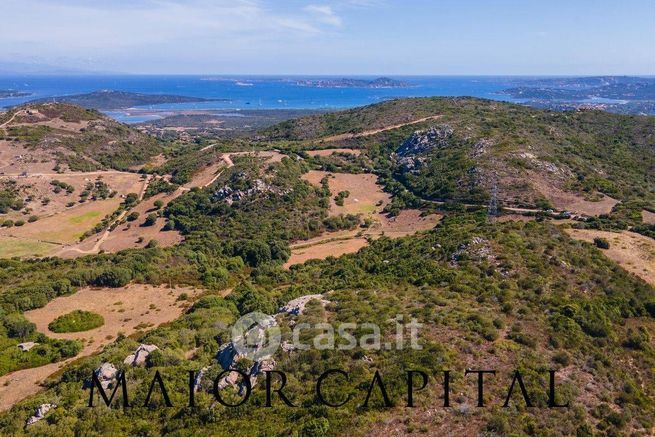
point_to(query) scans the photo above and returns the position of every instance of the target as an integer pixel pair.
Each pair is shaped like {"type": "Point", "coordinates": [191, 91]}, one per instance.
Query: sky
{"type": "Point", "coordinates": [368, 37]}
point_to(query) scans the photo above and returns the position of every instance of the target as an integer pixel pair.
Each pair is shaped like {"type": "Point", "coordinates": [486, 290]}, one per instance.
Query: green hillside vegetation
{"type": "Point", "coordinates": [501, 295]}
{"type": "Point", "coordinates": [9, 197]}
{"type": "Point", "coordinates": [99, 143]}
{"type": "Point", "coordinates": [582, 152]}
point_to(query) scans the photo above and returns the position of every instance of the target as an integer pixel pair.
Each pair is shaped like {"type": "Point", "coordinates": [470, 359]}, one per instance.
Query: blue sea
{"type": "Point", "coordinates": [253, 92]}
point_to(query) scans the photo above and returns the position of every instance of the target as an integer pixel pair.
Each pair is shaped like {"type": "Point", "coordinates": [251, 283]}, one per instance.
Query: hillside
{"type": "Point", "coordinates": [295, 224]}
{"type": "Point", "coordinates": [80, 139]}
{"type": "Point", "coordinates": [533, 157]}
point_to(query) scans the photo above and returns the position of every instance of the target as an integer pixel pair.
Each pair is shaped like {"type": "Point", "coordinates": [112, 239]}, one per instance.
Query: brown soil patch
{"type": "Point", "coordinates": [126, 235]}
{"type": "Point", "coordinates": [634, 252]}
{"type": "Point", "coordinates": [328, 152]}
{"type": "Point", "coordinates": [566, 201]}
{"type": "Point", "coordinates": [648, 217]}
{"type": "Point", "coordinates": [408, 222]}
{"type": "Point", "coordinates": [207, 175]}
{"type": "Point", "coordinates": [16, 159]}
{"type": "Point", "coordinates": [329, 247]}
{"type": "Point", "coordinates": [269, 155]}
{"type": "Point", "coordinates": [366, 196]}
{"type": "Point", "coordinates": [125, 310]}
{"type": "Point", "coordinates": [38, 187]}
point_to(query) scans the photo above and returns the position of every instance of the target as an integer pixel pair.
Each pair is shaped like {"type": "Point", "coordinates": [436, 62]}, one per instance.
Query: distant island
{"type": "Point", "coordinates": [380, 82]}
{"type": "Point", "coordinates": [5, 94]}
{"type": "Point", "coordinates": [108, 100]}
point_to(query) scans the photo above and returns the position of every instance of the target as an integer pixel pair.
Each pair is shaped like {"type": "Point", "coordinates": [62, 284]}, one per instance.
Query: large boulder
{"type": "Point", "coordinates": [25, 347]}
{"type": "Point", "coordinates": [296, 306]}
{"type": "Point", "coordinates": [106, 374]}
{"type": "Point", "coordinates": [40, 413]}
{"type": "Point", "coordinates": [138, 358]}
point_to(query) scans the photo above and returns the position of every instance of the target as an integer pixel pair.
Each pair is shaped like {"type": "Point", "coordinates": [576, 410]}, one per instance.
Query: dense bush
{"type": "Point", "coordinates": [76, 321]}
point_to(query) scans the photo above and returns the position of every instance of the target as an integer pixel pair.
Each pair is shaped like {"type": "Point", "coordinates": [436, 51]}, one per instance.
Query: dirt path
{"type": "Point", "coordinates": [125, 310]}
{"type": "Point", "coordinates": [328, 152]}
{"type": "Point", "coordinates": [73, 173]}
{"type": "Point", "coordinates": [107, 232]}
{"type": "Point", "coordinates": [367, 133]}
{"type": "Point", "coordinates": [2, 126]}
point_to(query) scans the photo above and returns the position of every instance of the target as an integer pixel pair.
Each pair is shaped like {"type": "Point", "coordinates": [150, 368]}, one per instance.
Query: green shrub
{"type": "Point", "coordinates": [150, 220]}
{"type": "Point", "coordinates": [76, 321]}
{"type": "Point", "coordinates": [113, 277]}
{"type": "Point", "coordinates": [18, 326]}
{"type": "Point", "coordinates": [601, 243]}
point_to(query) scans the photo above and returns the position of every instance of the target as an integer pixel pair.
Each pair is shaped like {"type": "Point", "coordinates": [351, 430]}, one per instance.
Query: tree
{"type": "Point", "coordinates": [18, 326]}
{"type": "Point", "coordinates": [132, 216]}
{"type": "Point", "coordinates": [150, 220]}
{"type": "Point", "coordinates": [131, 199]}
{"type": "Point", "coordinates": [113, 277]}
{"type": "Point", "coordinates": [601, 243]}
{"type": "Point", "coordinates": [159, 204]}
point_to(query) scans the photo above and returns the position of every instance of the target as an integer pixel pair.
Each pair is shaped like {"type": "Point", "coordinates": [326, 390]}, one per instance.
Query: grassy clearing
{"type": "Point", "coordinates": [11, 247]}
{"type": "Point", "coordinates": [79, 219]}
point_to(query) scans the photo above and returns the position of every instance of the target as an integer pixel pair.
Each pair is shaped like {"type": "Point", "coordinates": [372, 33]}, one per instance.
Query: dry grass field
{"type": "Point", "coordinates": [125, 310]}
{"type": "Point", "coordinates": [366, 198]}
{"type": "Point", "coordinates": [634, 252]}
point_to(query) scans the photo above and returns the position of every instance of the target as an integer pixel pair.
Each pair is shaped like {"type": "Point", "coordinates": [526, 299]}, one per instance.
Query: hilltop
{"type": "Point", "coordinates": [80, 139]}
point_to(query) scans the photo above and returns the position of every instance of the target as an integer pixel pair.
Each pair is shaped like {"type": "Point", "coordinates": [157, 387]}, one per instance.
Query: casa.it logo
{"type": "Point", "coordinates": [256, 336]}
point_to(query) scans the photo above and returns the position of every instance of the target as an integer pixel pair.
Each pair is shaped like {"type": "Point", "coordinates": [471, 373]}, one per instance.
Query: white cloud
{"type": "Point", "coordinates": [324, 14]}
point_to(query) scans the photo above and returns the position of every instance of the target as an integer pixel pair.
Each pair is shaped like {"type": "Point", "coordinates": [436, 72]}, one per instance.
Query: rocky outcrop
{"type": "Point", "coordinates": [230, 195]}
{"type": "Point", "coordinates": [296, 306]}
{"type": "Point", "coordinates": [25, 347]}
{"type": "Point", "coordinates": [138, 358]}
{"type": "Point", "coordinates": [106, 374]}
{"type": "Point", "coordinates": [420, 143]}
{"type": "Point", "coordinates": [229, 356]}
{"type": "Point", "coordinates": [40, 413]}
{"type": "Point", "coordinates": [423, 141]}
{"type": "Point", "coordinates": [198, 380]}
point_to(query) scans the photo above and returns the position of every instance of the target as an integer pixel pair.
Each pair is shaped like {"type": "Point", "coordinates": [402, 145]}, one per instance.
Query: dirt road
{"type": "Point", "coordinates": [367, 133]}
